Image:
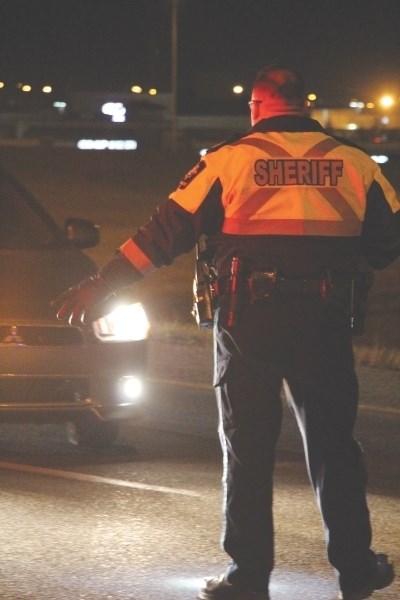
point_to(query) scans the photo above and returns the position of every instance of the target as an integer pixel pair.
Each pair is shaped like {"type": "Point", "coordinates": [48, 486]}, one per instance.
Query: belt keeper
{"type": "Point", "coordinates": [326, 285]}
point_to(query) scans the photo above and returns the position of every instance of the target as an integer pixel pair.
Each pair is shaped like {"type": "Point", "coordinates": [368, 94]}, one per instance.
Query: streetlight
{"type": "Point", "coordinates": [238, 89]}
{"type": "Point", "coordinates": [387, 101]}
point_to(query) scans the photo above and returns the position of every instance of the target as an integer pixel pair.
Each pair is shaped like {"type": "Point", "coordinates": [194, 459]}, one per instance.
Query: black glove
{"type": "Point", "coordinates": [75, 304]}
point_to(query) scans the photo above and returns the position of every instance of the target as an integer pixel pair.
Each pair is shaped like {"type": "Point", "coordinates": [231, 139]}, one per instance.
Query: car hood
{"type": "Point", "coordinates": [30, 279]}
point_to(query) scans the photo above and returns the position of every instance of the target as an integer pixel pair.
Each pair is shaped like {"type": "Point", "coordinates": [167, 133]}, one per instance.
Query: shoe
{"type": "Point", "coordinates": [217, 588]}
{"type": "Point", "coordinates": [382, 575]}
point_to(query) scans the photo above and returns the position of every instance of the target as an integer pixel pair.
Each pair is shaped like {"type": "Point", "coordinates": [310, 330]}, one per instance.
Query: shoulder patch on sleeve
{"type": "Point", "coordinates": [188, 178]}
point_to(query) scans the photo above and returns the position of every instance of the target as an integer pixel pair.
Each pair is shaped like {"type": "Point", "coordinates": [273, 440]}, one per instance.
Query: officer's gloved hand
{"type": "Point", "coordinates": [76, 303]}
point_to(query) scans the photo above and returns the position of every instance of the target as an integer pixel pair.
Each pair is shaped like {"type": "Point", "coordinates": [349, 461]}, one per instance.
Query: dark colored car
{"type": "Point", "coordinates": [92, 377]}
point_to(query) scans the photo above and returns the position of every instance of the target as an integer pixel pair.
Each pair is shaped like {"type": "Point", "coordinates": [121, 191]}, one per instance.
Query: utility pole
{"type": "Point", "coordinates": [174, 74]}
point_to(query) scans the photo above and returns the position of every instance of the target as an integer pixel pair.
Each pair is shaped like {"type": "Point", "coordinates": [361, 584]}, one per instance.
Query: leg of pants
{"type": "Point", "coordinates": [322, 387]}
{"type": "Point", "coordinates": [308, 345]}
{"type": "Point", "coordinates": [249, 402]}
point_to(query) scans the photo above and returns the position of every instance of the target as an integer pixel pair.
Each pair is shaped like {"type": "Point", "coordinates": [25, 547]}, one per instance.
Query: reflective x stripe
{"type": "Point", "coordinates": [241, 222]}
{"type": "Point", "coordinates": [322, 148]}
{"type": "Point", "coordinates": [339, 203]}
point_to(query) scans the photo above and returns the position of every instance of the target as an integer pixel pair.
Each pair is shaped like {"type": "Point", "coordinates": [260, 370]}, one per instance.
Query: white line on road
{"type": "Point", "coordinates": [96, 479]}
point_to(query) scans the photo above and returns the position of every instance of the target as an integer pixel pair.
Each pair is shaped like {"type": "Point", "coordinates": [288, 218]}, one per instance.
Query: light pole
{"type": "Point", "coordinates": [174, 74]}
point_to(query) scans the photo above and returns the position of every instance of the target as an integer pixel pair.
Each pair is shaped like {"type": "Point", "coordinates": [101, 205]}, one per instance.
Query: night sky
{"type": "Point", "coordinates": [344, 48]}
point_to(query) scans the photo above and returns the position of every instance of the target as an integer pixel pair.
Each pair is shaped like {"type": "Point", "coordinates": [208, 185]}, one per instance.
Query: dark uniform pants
{"type": "Point", "coordinates": [300, 342]}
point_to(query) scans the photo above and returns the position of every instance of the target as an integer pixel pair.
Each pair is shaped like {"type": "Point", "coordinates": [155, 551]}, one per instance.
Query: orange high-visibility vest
{"type": "Point", "coordinates": [287, 183]}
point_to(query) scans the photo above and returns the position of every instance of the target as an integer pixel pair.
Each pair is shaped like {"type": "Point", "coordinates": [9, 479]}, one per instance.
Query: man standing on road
{"type": "Point", "coordinates": [293, 213]}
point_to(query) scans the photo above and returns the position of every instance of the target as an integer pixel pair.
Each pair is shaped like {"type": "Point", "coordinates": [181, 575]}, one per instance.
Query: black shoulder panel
{"type": "Point", "coordinates": [234, 138]}
{"type": "Point", "coordinates": [347, 142]}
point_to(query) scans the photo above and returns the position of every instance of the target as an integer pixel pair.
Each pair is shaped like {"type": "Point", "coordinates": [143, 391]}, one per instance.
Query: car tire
{"type": "Point", "coordinates": [89, 433]}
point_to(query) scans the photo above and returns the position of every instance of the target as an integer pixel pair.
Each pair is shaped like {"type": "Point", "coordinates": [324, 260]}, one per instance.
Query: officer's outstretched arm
{"type": "Point", "coordinates": [76, 304]}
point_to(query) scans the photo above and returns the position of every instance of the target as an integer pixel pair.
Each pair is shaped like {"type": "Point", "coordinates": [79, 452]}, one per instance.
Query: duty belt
{"type": "Point", "coordinates": [344, 290]}
{"type": "Point", "coordinates": [261, 284]}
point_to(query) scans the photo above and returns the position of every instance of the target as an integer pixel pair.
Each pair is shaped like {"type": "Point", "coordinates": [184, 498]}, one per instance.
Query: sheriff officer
{"type": "Point", "coordinates": [293, 212]}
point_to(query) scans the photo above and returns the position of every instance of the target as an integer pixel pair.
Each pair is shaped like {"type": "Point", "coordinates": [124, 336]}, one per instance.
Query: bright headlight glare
{"type": "Point", "coordinates": [131, 387]}
{"type": "Point", "coordinates": [125, 323]}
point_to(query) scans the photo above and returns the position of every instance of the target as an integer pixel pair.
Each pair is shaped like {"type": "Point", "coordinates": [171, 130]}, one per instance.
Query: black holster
{"type": "Point", "coordinates": [360, 286]}
{"type": "Point", "coordinates": [350, 293]}
{"type": "Point", "coordinates": [204, 287]}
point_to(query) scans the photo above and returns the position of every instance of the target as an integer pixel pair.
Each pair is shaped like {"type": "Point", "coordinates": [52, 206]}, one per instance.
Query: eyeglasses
{"type": "Point", "coordinates": [251, 102]}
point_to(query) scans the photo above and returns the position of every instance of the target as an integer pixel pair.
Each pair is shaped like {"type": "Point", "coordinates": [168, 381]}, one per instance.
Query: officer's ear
{"type": "Point", "coordinates": [255, 112]}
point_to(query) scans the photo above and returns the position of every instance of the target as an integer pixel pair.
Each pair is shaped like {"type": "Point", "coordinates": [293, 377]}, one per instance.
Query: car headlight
{"type": "Point", "coordinates": [125, 323]}
{"type": "Point", "coordinates": [130, 389]}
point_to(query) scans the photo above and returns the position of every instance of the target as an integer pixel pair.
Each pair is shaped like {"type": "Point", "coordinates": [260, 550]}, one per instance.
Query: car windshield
{"type": "Point", "coordinates": [21, 226]}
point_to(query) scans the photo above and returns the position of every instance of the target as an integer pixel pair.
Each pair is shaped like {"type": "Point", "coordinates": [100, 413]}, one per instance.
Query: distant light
{"type": "Point", "coordinates": [153, 92]}
{"type": "Point", "coordinates": [385, 120]}
{"type": "Point", "coordinates": [26, 87]}
{"type": "Point", "coordinates": [119, 116]}
{"type": "Point", "coordinates": [238, 89]}
{"type": "Point", "coordinates": [115, 110]}
{"type": "Point", "coordinates": [370, 105]}
{"type": "Point", "coordinates": [86, 144]}
{"type": "Point", "coordinates": [109, 108]}
{"type": "Point", "coordinates": [312, 97]}
{"type": "Point", "coordinates": [380, 158]}
{"type": "Point", "coordinates": [351, 126]}
{"type": "Point", "coordinates": [386, 101]}
{"type": "Point", "coordinates": [356, 104]}
{"type": "Point", "coordinates": [47, 89]}
{"type": "Point", "coordinates": [2, 84]}
{"type": "Point", "coordinates": [136, 89]}
{"type": "Point", "coordinates": [60, 106]}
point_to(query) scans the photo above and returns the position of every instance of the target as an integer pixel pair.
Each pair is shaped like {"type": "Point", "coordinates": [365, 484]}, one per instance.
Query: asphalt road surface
{"type": "Point", "coordinates": [141, 521]}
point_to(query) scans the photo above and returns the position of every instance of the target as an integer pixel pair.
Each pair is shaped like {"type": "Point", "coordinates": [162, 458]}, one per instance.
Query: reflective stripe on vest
{"type": "Point", "coordinates": [137, 257]}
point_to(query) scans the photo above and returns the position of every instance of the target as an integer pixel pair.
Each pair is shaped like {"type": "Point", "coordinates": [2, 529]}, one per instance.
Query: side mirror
{"type": "Point", "coordinates": [81, 232]}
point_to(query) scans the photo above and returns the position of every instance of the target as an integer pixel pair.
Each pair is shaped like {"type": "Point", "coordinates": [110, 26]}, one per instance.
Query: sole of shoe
{"type": "Point", "coordinates": [362, 595]}
{"type": "Point", "coordinates": [232, 596]}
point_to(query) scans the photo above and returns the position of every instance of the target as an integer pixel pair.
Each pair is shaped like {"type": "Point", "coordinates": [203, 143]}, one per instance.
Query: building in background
{"type": "Point", "coordinates": [146, 117]}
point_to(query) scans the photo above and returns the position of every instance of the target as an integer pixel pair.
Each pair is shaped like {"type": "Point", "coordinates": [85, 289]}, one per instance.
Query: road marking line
{"type": "Point", "coordinates": [390, 410]}
{"type": "Point", "coordinates": [96, 479]}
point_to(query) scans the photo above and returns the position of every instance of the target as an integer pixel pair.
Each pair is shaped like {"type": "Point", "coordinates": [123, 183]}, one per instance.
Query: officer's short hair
{"type": "Point", "coordinates": [282, 82]}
